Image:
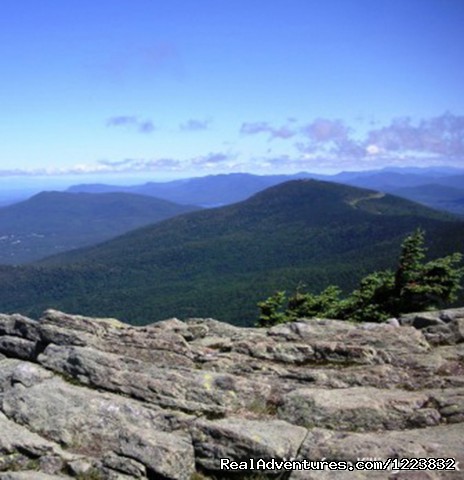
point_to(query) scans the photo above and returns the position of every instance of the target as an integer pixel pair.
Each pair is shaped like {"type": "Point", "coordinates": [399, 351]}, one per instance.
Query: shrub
{"type": "Point", "coordinates": [272, 310]}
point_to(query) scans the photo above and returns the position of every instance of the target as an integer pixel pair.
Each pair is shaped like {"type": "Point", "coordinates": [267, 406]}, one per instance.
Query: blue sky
{"type": "Point", "coordinates": [120, 89]}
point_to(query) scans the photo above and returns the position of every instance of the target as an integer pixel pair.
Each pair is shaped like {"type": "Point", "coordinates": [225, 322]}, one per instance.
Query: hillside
{"type": "Point", "coordinates": [52, 222]}
{"type": "Point", "coordinates": [93, 398]}
{"type": "Point", "coordinates": [220, 262]}
{"type": "Point", "coordinates": [441, 197]}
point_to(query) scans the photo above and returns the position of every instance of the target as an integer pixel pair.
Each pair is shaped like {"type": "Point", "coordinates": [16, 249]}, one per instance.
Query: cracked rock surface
{"type": "Point", "coordinates": [91, 398]}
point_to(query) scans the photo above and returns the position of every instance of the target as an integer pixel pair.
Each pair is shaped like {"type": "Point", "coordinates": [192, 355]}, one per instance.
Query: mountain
{"type": "Point", "coordinates": [217, 190]}
{"type": "Point", "coordinates": [52, 222]}
{"type": "Point", "coordinates": [209, 191]}
{"type": "Point", "coordinates": [220, 262]}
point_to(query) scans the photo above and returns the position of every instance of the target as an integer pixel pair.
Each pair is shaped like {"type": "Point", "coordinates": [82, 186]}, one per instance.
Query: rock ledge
{"type": "Point", "coordinates": [91, 398]}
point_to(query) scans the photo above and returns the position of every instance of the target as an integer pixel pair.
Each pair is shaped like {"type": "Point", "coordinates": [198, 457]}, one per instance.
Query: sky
{"type": "Point", "coordinates": [126, 89]}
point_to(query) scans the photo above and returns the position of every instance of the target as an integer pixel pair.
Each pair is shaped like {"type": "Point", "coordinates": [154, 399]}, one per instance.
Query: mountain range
{"type": "Point", "coordinates": [219, 262]}
{"type": "Point", "coordinates": [209, 191]}
{"type": "Point", "coordinates": [440, 188]}
{"type": "Point", "coordinates": [52, 222]}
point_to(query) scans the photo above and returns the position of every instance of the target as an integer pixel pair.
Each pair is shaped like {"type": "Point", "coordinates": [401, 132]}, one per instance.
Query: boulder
{"type": "Point", "coordinates": [239, 439]}
{"type": "Point", "coordinates": [442, 327]}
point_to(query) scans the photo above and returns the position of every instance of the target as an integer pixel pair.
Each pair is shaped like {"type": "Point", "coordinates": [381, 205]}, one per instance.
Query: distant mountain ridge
{"type": "Point", "coordinates": [218, 190]}
{"type": "Point", "coordinates": [52, 222]}
{"type": "Point", "coordinates": [431, 189]}
{"type": "Point", "coordinates": [209, 191]}
{"type": "Point", "coordinates": [220, 262]}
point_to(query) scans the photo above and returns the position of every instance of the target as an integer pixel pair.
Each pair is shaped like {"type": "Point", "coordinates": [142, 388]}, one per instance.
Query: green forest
{"type": "Point", "coordinates": [221, 262]}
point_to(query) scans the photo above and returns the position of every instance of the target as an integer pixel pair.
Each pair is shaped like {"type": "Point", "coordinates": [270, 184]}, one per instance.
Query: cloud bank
{"type": "Point", "coordinates": [334, 144]}
{"type": "Point", "coordinates": [318, 145]}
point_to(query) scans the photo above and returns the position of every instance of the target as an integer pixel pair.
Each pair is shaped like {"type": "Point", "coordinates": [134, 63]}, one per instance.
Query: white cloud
{"type": "Point", "coordinates": [373, 150]}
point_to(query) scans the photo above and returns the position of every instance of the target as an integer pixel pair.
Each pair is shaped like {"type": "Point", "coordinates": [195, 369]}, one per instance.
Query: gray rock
{"type": "Point", "coordinates": [22, 449]}
{"type": "Point", "coordinates": [124, 465]}
{"type": "Point", "coordinates": [394, 322]}
{"type": "Point", "coordinates": [19, 336]}
{"type": "Point", "coordinates": [15, 437]}
{"type": "Point", "coordinates": [20, 326]}
{"type": "Point", "coordinates": [358, 409]}
{"type": "Point", "coordinates": [31, 475]}
{"type": "Point", "coordinates": [383, 336]}
{"type": "Point", "coordinates": [166, 455]}
{"type": "Point", "coordinates": [433, 442]}
{"type": "Point", "coordinates": [450, 404]}
{"type": "Point", "coordinates": [442, 327]}
{"type": "Point", "coordinates": [84, 397]}
{"type": "Point", "coordinates": [155, 343]}
{"type": "Point", "coordinates": [239, 439]}
{"type": "Point", "coordinates": [83, 420]}
{"type": "Point", "coordinates": [192, 391]}
{"type": "Point", "coordinates": [17, 347]}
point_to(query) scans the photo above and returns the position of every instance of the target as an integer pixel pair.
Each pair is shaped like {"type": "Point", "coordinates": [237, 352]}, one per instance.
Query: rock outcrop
{"type": "Point", "coordinates": [93, 398]}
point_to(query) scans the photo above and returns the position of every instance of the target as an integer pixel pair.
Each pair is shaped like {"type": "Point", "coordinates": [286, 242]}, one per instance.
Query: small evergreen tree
{"type": "Point", "coordinates": [271, 309]}
{"type": "Point", "coordinates": [419, 285]}
{"type": "Point", "coordinates": [326, 304]}
{"type": "Point", "coordinates": [372, 300]}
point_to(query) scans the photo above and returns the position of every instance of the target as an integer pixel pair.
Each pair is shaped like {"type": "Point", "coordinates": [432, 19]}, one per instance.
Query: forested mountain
{"type": "Point", "coordinates": [220, 262]}
{"type": "Point", "coordinates": [52, 222]}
